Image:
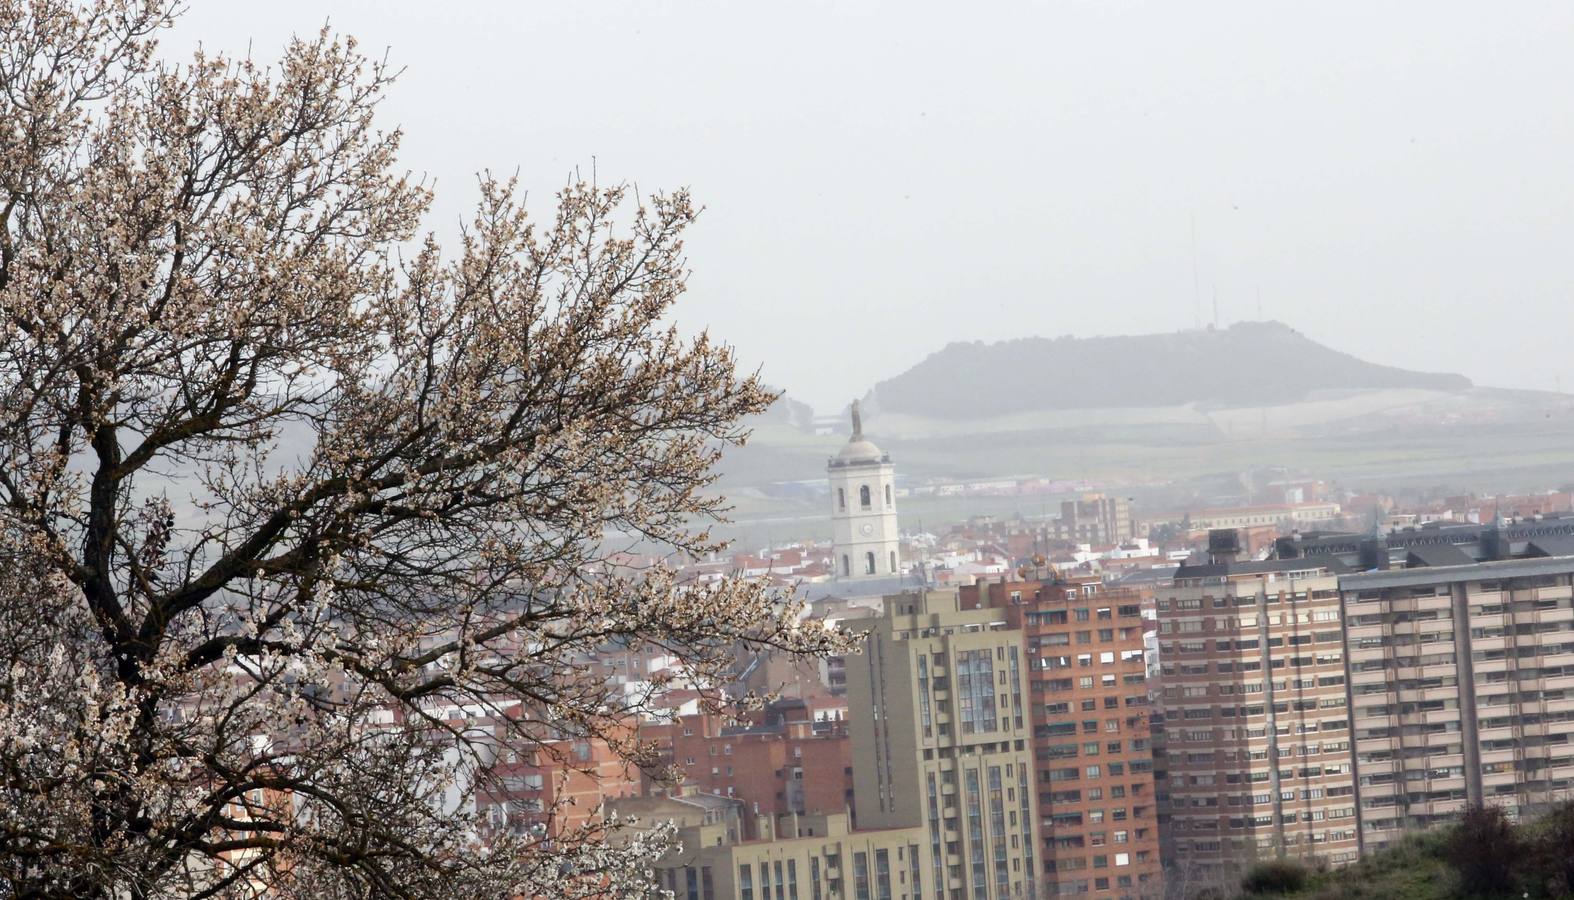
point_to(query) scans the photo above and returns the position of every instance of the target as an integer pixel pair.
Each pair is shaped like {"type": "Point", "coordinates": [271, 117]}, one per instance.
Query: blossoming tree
{"type": "Point", "coordinates": [297, 507]}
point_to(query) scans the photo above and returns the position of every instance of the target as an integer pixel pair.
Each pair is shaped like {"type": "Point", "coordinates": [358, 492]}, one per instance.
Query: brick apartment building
{"type": "Point", "coordinates": [1098, 816]}
{"type": "Point", "coordinates": [554, 788]}
{"type": "Point", "coordinates": [786, 763]}
{"type": "Point", "coordinates": [1257, 731]}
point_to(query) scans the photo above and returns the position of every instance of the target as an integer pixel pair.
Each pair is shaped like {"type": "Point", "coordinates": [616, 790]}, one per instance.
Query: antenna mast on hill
{"type": "Point", "coordinates": [1196, 286]}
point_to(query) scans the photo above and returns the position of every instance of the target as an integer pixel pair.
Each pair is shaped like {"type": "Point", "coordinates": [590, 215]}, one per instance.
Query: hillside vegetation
{"type": "Point", "coordinates": [1482, 855]}
{"type": "Point", "coordinates": [1248, 363]}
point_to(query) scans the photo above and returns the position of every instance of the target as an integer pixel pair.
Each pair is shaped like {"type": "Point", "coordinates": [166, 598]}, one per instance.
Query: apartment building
{"type": "Point", "coordinates": [1094, 519]}
{"type": "Point", "coordinates": [1285, 514]}
{"type": "Point", "coordinates": [803, 857]}
{"type": "Point", "coordinates": [1257, 749]}
{"type": "Point", "coordinates": [1090, 707]}
{"type": "Point", "coordinates": [940, 732]}
{"type": "Point", "coordinates": [1461, 657]}
{"type": "Point", "coordinates": [554, 787]}
{"type": "Point", "coordinates": [786, 763]}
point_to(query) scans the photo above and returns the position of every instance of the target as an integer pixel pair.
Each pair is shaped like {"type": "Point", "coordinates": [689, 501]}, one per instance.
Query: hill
{"type": "Point", "coordinates": [1246, 364]}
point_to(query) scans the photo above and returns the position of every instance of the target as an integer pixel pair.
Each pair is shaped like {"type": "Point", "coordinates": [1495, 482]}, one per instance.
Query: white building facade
{"type": "Point", "coordinates": [863, 509]}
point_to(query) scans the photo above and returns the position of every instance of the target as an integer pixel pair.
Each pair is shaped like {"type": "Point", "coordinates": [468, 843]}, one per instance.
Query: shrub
{"type": "Point", "coordinates": [1555, 848]}
{"type": "Point", "coordinates": [1483, 850]}
{"type": "Point", "coordinates": [1275, 876]}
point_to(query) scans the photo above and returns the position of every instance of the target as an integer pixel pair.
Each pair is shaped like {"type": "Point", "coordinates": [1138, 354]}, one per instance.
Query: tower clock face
{"type": "Point", "coordinates": [866, 529]}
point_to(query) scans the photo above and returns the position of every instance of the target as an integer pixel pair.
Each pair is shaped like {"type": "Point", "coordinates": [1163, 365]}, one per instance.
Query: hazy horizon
{"type": "Point", "coordinates": [882, 180]}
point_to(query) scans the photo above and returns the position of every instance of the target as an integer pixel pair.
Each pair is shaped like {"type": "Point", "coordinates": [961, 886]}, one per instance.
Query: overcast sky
{"type": "Point", "coordinates": [883, 179]}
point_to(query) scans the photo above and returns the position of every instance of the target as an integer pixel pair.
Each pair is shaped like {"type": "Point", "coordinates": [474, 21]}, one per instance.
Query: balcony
{"type": "Point", "coordinates": [1501, 733]}
{"type": "Point", "coordinates": [1491, 666]}
{"type": "Point", "coordinates": [1373, 791]}
{"type": "Point", "coordinates": [1496, 779]}
{"type": "Point", "coordinates": [1498, 756]}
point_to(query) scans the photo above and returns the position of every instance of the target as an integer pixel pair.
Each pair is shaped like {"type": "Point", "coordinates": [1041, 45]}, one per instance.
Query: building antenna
{"type": "Point", "coordinates": [1196, 285]}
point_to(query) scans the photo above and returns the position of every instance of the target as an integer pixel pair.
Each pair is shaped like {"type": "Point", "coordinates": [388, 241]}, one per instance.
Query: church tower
{"type": "Point", "coordinates": [863, 509]}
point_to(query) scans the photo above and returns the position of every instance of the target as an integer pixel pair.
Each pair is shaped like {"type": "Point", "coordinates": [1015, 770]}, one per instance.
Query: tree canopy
{"type": "Point", "coordinates": [300, 511]}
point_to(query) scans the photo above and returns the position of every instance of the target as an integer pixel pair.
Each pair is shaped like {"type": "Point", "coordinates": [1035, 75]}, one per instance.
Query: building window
{"type": "Point", "coordinates": [869, 563]}
{"type": "Point", "coordinates": [975, 833]}
{"type": "Point", "coordinates": [976, 691]}
{"type": "Point", "coordinates": [847, 568]}
{"type": "Point", "coordinates": [888, 495]}
{"type": "Point", "coordinates": [841, 499]}
{"type": "Point", "coordinates": [893, 562]}
{"type": "Point", "coordinates": [863, 496]}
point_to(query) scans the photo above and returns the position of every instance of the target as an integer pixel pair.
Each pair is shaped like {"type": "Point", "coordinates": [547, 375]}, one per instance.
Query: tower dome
{"type": "Point", "coordinates": [859, 449]}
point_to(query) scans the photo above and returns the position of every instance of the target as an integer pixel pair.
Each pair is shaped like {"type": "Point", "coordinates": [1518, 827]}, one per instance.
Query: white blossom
{"type": "Point", "coordinates": [274, 491]}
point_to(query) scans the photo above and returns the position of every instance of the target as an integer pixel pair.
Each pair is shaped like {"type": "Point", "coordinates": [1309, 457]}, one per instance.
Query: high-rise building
{"type": "Point", "coordinates": [1090, 705]}
{"type": "Point", "coordinates": [940, 732]}
{"type": "Point", "coordinates": [864, 535]}
{"type": "Point", "coordinates": [1094, 519]}
{"type": "Point", "coordinates": [1461, 657]}
{"type": "Point", "coordinates": [1257, 727]}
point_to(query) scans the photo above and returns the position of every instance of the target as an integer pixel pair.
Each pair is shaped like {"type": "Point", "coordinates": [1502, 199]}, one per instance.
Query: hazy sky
{"type": "Point", "coordinates": [883, 179]}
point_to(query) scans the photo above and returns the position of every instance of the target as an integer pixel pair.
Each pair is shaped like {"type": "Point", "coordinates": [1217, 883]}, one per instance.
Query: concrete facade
{"type": "Point", "coordinates": [1462, 684]}
{"type": "Point", "coordinates": [1095, 519]}
{"type": "Point", "coordinates": [944, 746]}
{"type": "Point", "coordinates": [805, 857]}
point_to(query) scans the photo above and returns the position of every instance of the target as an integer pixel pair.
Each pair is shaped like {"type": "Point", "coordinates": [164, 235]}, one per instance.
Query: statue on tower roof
{"type": "Point", "coordinates": [858, 423]}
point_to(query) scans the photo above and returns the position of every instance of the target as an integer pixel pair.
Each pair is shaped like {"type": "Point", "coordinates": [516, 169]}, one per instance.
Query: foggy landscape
{"type": "Point", "coordinates": [725, 451]}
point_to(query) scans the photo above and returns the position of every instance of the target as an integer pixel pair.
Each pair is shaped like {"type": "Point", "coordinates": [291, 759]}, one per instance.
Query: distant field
{"type": "Point", "coordinates": [1527, 444]}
